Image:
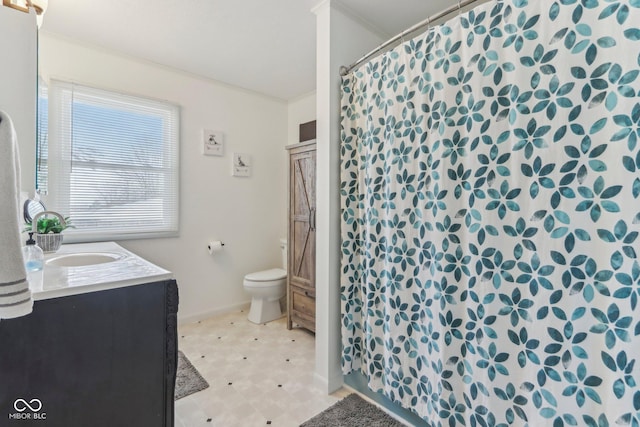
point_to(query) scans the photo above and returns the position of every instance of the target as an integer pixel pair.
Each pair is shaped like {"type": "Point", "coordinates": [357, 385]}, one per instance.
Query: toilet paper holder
{"type": "Point", "coordinates": [214, 246]}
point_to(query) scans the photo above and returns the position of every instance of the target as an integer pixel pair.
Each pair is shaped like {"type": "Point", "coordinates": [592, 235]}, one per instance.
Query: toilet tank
{"type": "Point", "coordinates": [285, 253]}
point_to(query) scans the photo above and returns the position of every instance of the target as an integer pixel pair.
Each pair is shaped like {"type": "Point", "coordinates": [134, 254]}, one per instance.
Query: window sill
{"type": "Point", "coordinates": [71, 237]}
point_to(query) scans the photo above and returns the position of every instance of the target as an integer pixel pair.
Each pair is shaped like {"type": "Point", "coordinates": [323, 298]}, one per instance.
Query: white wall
{"type": "Point", "coordinates": [341, 40]}
{"type": "Point", "coordinates": [18, 44]}
{"type": "Point", "coordinates": [301, 110]}
{"type": "Point", "coordinates": [246, 213]}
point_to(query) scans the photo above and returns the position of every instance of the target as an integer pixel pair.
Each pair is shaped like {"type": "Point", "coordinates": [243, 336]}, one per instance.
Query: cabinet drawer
{"type": "Point", "coordinates": [304, 290]}
{"type": "Point", "coordinates": [303, 301]}
{"type": "Point", "coordinates": [303, 321]}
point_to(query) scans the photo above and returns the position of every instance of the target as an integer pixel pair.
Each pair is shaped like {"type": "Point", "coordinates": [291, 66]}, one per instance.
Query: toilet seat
{"type": "Point", "coordinates": [266, 275]}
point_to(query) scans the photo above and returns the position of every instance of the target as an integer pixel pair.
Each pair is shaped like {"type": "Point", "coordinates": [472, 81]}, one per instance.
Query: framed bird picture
{"type": "Point", "coordinates": [212, 143]}
{"type": "Point", "coordinates": [241, 164]}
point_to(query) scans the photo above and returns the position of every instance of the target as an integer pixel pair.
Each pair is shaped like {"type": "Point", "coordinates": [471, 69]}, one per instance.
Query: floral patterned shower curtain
{"type": "Point", "coordinates": [490, 217]}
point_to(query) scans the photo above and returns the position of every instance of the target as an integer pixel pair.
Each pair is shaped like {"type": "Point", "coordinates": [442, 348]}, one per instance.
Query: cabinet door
{"type": "Point", "coordinates": [100, 359]}
{"type": "Point", "coordinates": [302, 219]}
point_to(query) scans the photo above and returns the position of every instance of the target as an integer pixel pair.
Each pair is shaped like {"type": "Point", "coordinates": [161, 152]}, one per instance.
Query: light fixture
{"type": "Point", "coordinates": [40, 6]}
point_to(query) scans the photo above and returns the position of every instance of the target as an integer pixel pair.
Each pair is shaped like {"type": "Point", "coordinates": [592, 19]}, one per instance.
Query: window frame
{"type": "Point", "coordinates": [60, 134]}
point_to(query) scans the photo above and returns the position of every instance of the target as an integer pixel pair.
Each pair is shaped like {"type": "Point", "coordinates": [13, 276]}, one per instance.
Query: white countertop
{"type": "Point", "coordinates": [128, 269]}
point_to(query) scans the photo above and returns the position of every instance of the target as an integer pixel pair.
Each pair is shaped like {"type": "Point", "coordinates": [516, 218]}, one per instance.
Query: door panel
{"type": "Point", "coordinates": [302, 237]}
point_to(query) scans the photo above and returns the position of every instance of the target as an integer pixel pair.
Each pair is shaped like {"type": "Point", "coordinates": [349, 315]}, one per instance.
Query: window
{"type": "Point", "coordinates": [42, 146]}
{"type": "Point", "coordinates": [111, 162]}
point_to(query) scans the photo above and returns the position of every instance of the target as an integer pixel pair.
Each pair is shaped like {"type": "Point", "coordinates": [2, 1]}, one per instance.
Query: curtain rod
{"type": "Point", "coordinates": [425, 23]}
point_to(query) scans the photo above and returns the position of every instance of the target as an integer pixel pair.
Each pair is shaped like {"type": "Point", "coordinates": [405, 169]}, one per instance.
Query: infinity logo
{"type": "Point", "coordinates": [21, 405]}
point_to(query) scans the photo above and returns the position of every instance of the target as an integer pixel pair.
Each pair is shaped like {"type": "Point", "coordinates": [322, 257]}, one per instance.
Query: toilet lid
{"type": "Point", "coordinates": [267, 275]}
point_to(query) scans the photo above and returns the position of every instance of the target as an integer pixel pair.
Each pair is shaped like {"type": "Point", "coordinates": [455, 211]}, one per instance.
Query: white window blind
{"type": "Point", "coordinates": [42, 136]}
{"type": "Point", "coordinates": [113, 163]}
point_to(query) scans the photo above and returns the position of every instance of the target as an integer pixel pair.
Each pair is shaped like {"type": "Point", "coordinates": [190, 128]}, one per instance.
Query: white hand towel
{"type": "Point", "coordinates": [15, 297]}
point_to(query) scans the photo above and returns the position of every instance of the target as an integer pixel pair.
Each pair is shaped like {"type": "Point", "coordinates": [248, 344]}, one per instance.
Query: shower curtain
{"type": "Point", "coordinates": [490, 217]}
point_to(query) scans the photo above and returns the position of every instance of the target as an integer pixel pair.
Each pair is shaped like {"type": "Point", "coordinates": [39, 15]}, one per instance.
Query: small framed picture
{"type": "Point", "coordinates": [241, 164]}
{"type": "Point", "coordinates": [212, 143]}
{"type": "Point", "coordinates": [17, 4]}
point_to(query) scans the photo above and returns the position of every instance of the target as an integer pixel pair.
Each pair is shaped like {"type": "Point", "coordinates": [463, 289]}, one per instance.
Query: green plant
{"type": "Point", "coordinates": [50, 225]}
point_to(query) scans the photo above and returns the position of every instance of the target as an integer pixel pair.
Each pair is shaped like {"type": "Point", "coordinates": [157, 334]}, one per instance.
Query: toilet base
{"type": "Point", "coordinates": [262, 310]}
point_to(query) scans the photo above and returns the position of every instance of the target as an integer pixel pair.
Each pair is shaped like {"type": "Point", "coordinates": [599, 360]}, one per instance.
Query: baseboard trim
{"type": "Point", "coordinates": [329, 387]}
{"type": "Point", "coordinates": [192, 318]}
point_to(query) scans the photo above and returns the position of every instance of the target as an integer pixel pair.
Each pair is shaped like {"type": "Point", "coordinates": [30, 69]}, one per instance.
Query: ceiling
{"type": "Point", "coordinates": [267, 46]}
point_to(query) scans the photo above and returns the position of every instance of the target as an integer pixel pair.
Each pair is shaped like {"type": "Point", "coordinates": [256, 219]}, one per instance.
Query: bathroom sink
{"type": "Point", "coordinates": [83, 259]}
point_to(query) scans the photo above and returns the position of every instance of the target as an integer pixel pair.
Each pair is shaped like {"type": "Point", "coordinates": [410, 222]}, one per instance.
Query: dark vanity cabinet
{"type": "Point", "coordinates": [99, 359]}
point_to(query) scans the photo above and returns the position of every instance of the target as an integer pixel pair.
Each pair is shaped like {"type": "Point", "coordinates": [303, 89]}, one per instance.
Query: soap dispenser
{"type": "Point", "coordinates": [33, 255]}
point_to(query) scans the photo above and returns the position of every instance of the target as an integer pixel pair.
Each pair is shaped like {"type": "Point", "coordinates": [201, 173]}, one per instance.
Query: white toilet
{"type": "Point", "coordinates": [266, 289]}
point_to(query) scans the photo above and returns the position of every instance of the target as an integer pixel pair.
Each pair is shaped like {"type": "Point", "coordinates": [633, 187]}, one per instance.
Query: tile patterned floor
{"type": "Point", "coordinates": [258, 375]}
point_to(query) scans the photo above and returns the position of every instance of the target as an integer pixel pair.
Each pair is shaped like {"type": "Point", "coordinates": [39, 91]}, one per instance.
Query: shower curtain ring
{"type": "Point", "coordinates": [459, 8]}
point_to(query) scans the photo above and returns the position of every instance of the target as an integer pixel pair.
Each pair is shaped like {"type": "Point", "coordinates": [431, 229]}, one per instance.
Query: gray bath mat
{"type": "Point", "coordinates": [188, 379]}
{"type": "Point", "coordinates": [352, 411]}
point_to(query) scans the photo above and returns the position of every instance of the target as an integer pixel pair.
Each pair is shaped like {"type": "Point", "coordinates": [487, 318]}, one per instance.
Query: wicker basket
{"type": "Point", "coordinates": [49, 242]}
